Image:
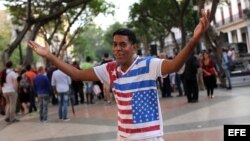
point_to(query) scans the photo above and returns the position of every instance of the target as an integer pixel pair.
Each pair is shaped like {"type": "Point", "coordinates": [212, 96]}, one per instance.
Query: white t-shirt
{"type": "Point", "coordinates": [9, 86]}
{"type": "Point", "coordinates": [61, 81]}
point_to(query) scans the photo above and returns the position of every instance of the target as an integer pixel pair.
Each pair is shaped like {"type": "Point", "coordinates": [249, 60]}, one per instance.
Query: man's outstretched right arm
{"type": "Point", "coordinates": [74, 73]}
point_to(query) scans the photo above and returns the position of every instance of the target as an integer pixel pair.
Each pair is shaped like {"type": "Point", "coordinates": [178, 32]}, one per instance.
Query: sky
{"type": "Point", "coordinates": [1, 5]}
{"type": "Point", "coordinates": [121, 13]}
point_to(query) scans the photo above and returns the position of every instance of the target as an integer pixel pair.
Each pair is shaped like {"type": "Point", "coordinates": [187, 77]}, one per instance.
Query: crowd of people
{"type": "Point", "coordinates": [29, 89]}
{"type": "Point", "coordinates": [200, 72]}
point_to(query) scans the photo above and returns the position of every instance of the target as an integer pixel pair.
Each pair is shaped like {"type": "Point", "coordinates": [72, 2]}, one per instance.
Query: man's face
{"type": "Point", "coordinates": [123, 49]}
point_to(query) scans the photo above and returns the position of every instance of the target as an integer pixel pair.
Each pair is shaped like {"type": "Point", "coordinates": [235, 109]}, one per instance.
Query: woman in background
{"type": "Point", "coordinates": [209, 74]}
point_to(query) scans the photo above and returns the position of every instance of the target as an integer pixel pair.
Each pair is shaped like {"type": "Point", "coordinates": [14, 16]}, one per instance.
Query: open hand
{"type": "Point", "coordinates": [203, 24]}
{"type": "Point", "coordinates": [40, 50]}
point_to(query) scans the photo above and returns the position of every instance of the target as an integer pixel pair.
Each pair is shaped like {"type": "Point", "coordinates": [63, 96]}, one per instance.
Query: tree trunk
{"type": "Point", "coordinates": [8, 51]}
{"type": "Point", "coordinates": [29, 56]}
{"type": "Point", "coordinates": [162, 44]}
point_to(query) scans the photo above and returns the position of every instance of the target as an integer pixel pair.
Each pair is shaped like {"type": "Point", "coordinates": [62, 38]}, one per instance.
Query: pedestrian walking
{"type": "Point", "coordinates": [9, 88]}
{"type": "Point", "coordinates": [42, 88]}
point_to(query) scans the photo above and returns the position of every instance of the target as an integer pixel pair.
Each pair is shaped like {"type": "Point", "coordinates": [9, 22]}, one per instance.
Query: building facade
{"type": "Point", "coordinates": [232, 18]}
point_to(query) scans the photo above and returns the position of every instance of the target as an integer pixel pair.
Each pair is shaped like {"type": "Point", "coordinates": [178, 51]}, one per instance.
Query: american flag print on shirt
{"type": "Point", "coordinates": [138, 112]}
{"type": "Point", "coordinates": [136, 95]}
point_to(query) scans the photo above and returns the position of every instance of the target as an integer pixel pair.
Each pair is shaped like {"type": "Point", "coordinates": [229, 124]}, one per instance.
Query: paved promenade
{"type": "Point", "coordinates": [202, 121]}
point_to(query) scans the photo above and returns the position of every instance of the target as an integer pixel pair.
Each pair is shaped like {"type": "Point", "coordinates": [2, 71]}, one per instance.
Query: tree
{"type": "Point", "coordinates": [91, 43]}
{"type": "Point", "coordinates": [5, 33]}
{"type": "Point", "coordinates": [109, 32]}
{"type": "Point", "coordinates": [32, 15]}
{"type": "Point", "coordinates": [159, 17]}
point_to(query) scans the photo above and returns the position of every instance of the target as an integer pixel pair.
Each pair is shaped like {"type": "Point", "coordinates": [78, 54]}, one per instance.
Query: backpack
{"type": "Point", "coordinates": [25, 82]}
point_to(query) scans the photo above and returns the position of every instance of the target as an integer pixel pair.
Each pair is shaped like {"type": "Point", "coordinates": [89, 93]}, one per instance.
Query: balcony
{"type": "Point", "coordinates": [235, 18]}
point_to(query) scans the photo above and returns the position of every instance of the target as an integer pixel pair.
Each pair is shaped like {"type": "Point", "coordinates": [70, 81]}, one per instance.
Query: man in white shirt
{"type": "Point", "coordinates": [61, 85]}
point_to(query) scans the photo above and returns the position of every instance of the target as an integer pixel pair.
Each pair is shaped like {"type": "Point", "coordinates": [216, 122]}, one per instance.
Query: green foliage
{"type": "Point", "coordinates": [154, 18]}
{"type": "Point", "coordinates": [5, 35]}
{"type": "Point", "coordinates": [90, 43]}
{"type": "Point", "coordinates": [42, 10]}
{"type": "Point", "coordinates": [109, 32]}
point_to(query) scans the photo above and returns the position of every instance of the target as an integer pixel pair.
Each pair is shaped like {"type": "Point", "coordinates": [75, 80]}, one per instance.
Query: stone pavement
{"type": "Point", "coordinates": [202, 121]}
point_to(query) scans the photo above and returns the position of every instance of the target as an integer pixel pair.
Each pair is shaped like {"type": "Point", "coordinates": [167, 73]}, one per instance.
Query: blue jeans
{"type": "Point", "coordinates": [178, 82]}
{"type": "Point", "coordinates": [228, 75]}
{"type": "Point", "coordinates": [44, 101]}
{"type": "Point", "coordinates": [63, 105]}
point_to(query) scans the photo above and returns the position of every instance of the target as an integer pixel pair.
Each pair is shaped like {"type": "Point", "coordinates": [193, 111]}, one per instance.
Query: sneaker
{"type": "Point", "coordinates": [66, 119]}
{"type": "Point", "coordinates": [212, 96]}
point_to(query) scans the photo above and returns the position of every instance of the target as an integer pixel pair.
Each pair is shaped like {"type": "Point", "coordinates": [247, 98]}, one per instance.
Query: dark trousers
{"type": "Point", "coordinates": [165, 86]}
{"type": "Point", "coordinates": [76, 90]}
{"type": "Point", "coordinates": [210, 83]}
{"type": "Point", "coordinates": [191, 90]}
{"type": "Point", "coordinates": [54, 99]}
{"type": "Point", "coordinates": [178, 81]}
{"type": "Point", "coordinates": [32, 100]}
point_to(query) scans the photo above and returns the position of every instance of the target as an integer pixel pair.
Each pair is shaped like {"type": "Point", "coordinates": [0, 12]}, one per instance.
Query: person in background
{"type": "Point", "coordinates": [179, 79]}
{"type": "Point", "coordinates": [190, 80]}
{"type": "Point", "coordinates": [42, 88]}
{"type": "Point", "coordinates": [88, 84]}
{"type": "Point", "coordinates": [172, 79]}
{"type": "Point", "coordinates": [49, 72]}
{"type": "Point", "coordinates": [226, 68]}
{"type": "Point", "coordinates": [164, 83]}
{"type": "Point", "coordinates": [106, 88]}
{"type": "Point", "coordinates": [31, 75]}
{"type": "Point", "coordinates": [77, 87]}
{"type": "Point", "coordinates": [133, 81]}
{"type": "Point", "coordinates": [23, 92]}
{"type": "Point", "coordinates": [200, 81]}
{"type": "Point", "coordinates": [209, 74]}
{"type": "Point", "coordinates": [231, 54]}
{"type": "Point", "coordinates": [61, 85]}
{"type": "Point", "coordinates": [9, 88]}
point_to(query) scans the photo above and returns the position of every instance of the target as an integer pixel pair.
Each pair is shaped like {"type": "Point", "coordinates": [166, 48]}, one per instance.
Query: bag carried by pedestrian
{"type": "Point", "coordinates": [97, 90]}
{"type": "Point", "coordinates": [25, 83]}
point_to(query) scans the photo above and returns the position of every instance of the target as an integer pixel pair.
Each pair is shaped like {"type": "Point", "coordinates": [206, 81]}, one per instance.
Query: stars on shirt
{"type": "Point", "coordinates": [145, 107]}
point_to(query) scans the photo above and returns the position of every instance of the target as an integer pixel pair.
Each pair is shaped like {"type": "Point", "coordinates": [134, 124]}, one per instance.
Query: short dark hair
{"type": "Point", "coordinates": [88, 59]}
{"type": "Point", "coordinates": [106, 55]}
{"type": "Point", "coordinates": [8, 64]}
{"type": "Point", "coordinates": [126, 32]}
{"type": "Point", "coordinates": [28, 67]}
